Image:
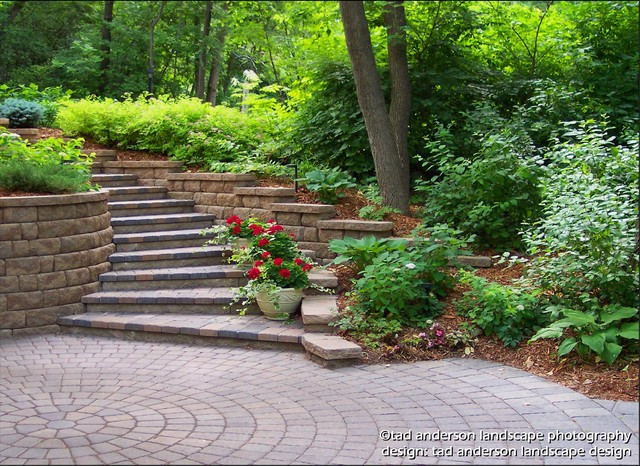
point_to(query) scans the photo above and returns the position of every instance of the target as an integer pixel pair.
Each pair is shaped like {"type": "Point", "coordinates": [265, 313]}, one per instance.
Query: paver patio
{"type": "Point", "coordinates": [89, 399]}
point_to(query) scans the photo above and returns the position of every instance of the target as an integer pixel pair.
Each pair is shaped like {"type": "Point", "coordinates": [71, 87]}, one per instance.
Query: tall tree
{"type": "Point", "coordinates": [216, 64]}
{"type": "Point", "coordinates": [152, 27]}
{"type": "Point", "coordinates": [392, 166]}
{"type": "Point", "coordinates": [202, 57]}
{"type": "Point", "coordinates": [105, 46]}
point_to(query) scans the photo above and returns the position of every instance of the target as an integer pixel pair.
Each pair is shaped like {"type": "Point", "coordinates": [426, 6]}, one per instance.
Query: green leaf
{"type": "Point", "coordinates": [595, 341]}
{"type": "Point", "coordinates": [566, 346]}
{"type": "Point", "coordinates": [629, 331]}
{"type": "Point", "coordinates": [610, 352]}
{"type": "Point", "coordinates": [612, 313]}
{"type": "Point", "coordinates": [548, 332]}
{"type": "Point", "coordinates": [578, 318]}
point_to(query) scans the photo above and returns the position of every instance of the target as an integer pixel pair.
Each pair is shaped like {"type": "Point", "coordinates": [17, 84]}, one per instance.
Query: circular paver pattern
{"type": "Point", "coordinates": [98, 400]}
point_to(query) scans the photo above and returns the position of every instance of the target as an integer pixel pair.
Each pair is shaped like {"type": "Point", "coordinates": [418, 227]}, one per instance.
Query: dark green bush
{"type": "Point", "coordinates": [21, 113]}
{"type": "Point", "coordinates": [50, 98]}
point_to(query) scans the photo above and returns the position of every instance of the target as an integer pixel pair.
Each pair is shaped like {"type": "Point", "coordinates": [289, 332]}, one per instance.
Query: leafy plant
{"type": "Point", "coordinates": [376, 212]}
{"type": "Point", "coordinates": [50, 98]}
{"type": "Point", "coordinates": [362, 252]}
{"type": "Point", "coordinates": [329, 184]}
{"type": "Point", "coordinates": [591, 333]}
{"type": "Point", "coordinates": [507, 312]}
{"type": "Point", "coordinates": [373, 332]}
{"type": "Point", "coordinates": [21, 113]}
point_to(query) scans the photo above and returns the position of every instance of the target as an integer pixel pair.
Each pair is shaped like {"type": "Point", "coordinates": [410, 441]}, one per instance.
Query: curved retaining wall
{"type": "Point", "coordinates": [52, 250]}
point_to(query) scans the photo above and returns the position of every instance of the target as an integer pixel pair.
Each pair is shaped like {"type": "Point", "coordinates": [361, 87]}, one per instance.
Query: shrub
{"type": "Point", "coordinates": [50, 98]}
{"type": "Point", "coordinates": [405, 284]}
{"type": "Point", "coordinates": [21, 113]}
{"type": "Point", "coordinates": [491, 196]}
{"type": "Point", "coordinates": [508, 312]}
{"type": "Point", "coordinates": [49, 166]}
{"type": "Point", "coordinates": [362, 252]}
{"type": "Point", "coordinates": [597, 333]}
{"type": "Point", "coordinates": [329, 184]}
{"type": "Point", "coordinates": [376, 212]}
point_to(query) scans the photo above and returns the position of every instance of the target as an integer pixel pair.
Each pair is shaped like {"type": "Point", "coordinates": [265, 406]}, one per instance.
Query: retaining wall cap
{"type": "Point", "coordinates": [54, 199]}
{"type": "Point", "coordinates": [330, 347]}
{"type": "Point", "coordinates": [303, 208]}
{"type": "Point", "coordinates": [143, 164]}
{"type": "Point", "coordinates": [210, 177]}
{"type": "Point", "coordinates": [4, 122]}
{"type": "Point", "coordinates": [358, 225]}
{"type": "Point", "coordinates": [266, 191]}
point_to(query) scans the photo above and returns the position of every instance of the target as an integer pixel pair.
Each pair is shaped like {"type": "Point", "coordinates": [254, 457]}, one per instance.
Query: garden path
{"type": "Point", "coordinates": [92, 399]}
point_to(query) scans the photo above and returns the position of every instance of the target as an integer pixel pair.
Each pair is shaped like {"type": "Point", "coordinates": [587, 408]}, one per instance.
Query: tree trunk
{"type": "Point", "coordinates": [391, 170]}
{"type": "Point", "coordinates": [400, 106]}
{"type": "Point", "coordinates": [216, 65]}
{"type": "Point", "coordinates": [107, 18]}
{"type": "Point", "coordinates": [202, 61]}
{"type": "Point", "coordinates": [152, 27]}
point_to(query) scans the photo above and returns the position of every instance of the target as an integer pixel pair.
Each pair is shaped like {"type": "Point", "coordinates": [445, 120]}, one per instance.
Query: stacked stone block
{"type": "Point", "coordinates": [52, 250]}
{"type": "Point", "coordinates": [149, 172]}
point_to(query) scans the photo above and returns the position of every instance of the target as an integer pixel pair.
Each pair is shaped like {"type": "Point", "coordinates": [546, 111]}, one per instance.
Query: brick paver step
{"type": "Point", "coordinates": [209, 301]}
{"type": "Point", "coordinates": [140, 223]}
{"type": "Point", "coordinates": [318, 312]}
{"type": "Point", "coordinates": [250, 327]}
{"type": "Point", "coordinates": [136, 193]}
{"type": "Point", "coordinates": [106, 154]}
{"type": "Point", "coordinates": [159, 239]}
{"type": "Point", "coordinates": [331, 349]}
{"type": "Point", "coordinates": [151, 207]}
{"type": "Point", "coordinates": [114, 180]}
{"type": "Point", "coordinates": [190, 277]}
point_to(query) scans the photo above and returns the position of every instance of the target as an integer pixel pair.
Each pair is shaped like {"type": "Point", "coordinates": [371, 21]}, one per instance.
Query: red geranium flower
{"type": "Point", "coordinates": [275, 228]}
{"type": "Point", "coordinates": [307, 267]}
{"type": "Point", "coordinates": [292, 235]}
{"type": "Point", "coordinates": [271, 221]}
{"type": "Point", "coordinates": [285, 273]}
{"type": "Point", "coordinates": [266, 255]}
{"type": "Point", "coordinates": [253, 273]}
{"type": "Point", "coordinates": [258, 263]}
{"type": "Point", "coordinates": [256, 229]}
{"type": "Point", "coordinates": [277, 262]}
{"type": "Point", "coordinates": [299, 261]}
{"type": "Point", "coordinates": [237, 230]}
{"type": "Point", "coordinates": [263, 242]}
{"type": "Point", "coordinates": [234, 219]}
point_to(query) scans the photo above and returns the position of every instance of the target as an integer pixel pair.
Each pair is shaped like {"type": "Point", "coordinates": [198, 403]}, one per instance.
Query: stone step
{"type": "Point", "coordinates": [331, 350]}
{"type": "Point", "coordinates": [136, 224]}
{"type": "Point", "coordinates": [175, 257]}
{"type": "Point", "coordinates": [318, 312]}
{"type": "Point", "coordinates": [170, 257]}
{"type": "Point", "coordinates": [244, 329]}
{"type": "Point", "coordinates": [166, 301]}
{"type": "Point", "coordinates": [101, 155]}
{"type": "Point", "coordinates": [152, 207]}
{"type": "Point", "coordinates": [213, 276]}
{"type": "Point", "coordinates": [136, 193]}
{"type": "Point", "coordinates": [114, 180]}
{"type": "Point", "coordinates": [159, 240]}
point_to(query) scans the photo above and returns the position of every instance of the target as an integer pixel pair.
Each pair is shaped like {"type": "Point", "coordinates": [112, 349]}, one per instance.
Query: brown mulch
{"type": "Point", "coordinates": [619, 381]}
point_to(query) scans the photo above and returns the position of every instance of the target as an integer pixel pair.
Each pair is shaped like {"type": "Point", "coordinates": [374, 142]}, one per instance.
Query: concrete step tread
{"type": "Point", "coordinates": [135, 189]}
{"type": "Point", "coordinates": [327, 277]}
{"type": "Point", "coordinates": [162, 296]}
{"type": "Point", "coordinates": [113, 177]}
{"type": "Point", "coordinates": [158, 219]}
{"type": "Point", "coordinates": [319, 311]}
{"type": "Point", "coordinates": [168, 235]}
{"type": "Point", "coordinates": [330, 347]}
{"type": "Point", "coordinates": [169, 253]}
{"type": "Point", "coordinates": [247, 327]}
{"type": "Point", "coordinates": [150, 203]}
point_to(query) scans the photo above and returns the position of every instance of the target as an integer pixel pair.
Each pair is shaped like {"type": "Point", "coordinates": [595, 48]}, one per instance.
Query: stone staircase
{"type": "Point", "coordinates": [164, 284]}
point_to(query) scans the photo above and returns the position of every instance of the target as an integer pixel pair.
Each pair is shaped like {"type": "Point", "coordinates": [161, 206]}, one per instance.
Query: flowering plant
{"type": "Point", "coordinates": [236, 228]}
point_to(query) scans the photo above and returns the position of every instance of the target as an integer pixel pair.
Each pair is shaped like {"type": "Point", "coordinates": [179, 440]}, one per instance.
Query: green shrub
{"type": "Point", "coordinates": [362, 252]}
{"type": "Point", "coordinates": [583, 245]}
{"type": "Point", "coordinates": [329, 184]}
{"type": "Point", "coordinates": [510, 313]}
{"type": "Point", "coordinates": [50, 98]}
{"type": "Point", "coordinates": [21, 113]}
{"type": "Point", "coordinates": [491, 196]}
{"type": "Point", "coordinates": [49, 166]}
{"type": "Point", "coordinates": [405, 284]}
{"type": "Point", "coordinates": [597, 333]}
{"type": "Point", "coordinates": [376, 212]}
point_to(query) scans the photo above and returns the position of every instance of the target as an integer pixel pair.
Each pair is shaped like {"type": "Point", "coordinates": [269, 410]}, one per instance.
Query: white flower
{"type": "Point", "coordinates": [410, 265]}
{"type": "Point", "coordinates": [520, 307]}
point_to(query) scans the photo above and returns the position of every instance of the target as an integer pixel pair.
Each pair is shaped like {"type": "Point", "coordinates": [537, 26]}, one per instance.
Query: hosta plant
{"type": "Point", "coordinates": [329, 184]}
{"type": "Point", "coordinates": [604, 333]}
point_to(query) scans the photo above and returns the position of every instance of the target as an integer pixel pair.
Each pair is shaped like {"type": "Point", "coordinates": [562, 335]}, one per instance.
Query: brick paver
{"type": "Point", "coordinates": [67, 398]}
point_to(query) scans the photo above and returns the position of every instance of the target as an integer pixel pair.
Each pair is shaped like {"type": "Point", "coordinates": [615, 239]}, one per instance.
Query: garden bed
{"type": "Point", "coordinates": [619, 381]}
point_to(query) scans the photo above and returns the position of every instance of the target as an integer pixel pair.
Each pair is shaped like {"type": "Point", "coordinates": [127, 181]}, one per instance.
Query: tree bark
{"type": "Point", "coordinates": [107, 18]}
{"type": "Point", "coordinates": [392, 171]}
{"type": "Point", "coordinates": [216, 65]}
{"type": "Point", "coordinates": [400, 106]}
{"type": "Point", "coordinates": [202, 60]}
{"type": "Point", "coordinates": [152, 27]}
